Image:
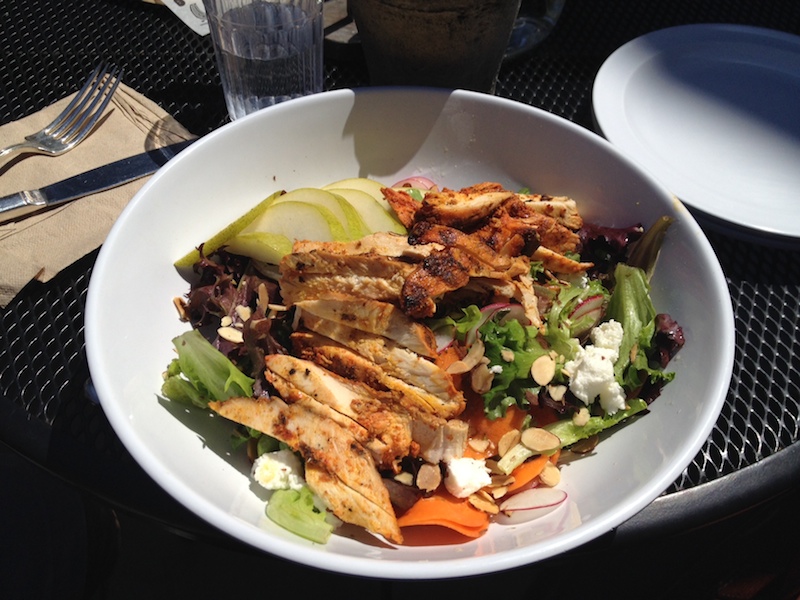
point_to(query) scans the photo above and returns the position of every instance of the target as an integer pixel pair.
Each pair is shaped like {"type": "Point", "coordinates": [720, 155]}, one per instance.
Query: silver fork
{"type": "Point", "coordinates": [76, 121]}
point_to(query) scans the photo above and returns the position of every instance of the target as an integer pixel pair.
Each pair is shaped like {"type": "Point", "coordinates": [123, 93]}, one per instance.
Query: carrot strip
{"type": "Point", "coordinates": [492, 429]}
{"type": "Point", "coordinates": [446, 358]}
{"type": "Point", "coordinates": [530, 470]}
{"type": "Point", "coordinates": [446, 511]}
{"type": "Point", "coordinates": [527, 472]}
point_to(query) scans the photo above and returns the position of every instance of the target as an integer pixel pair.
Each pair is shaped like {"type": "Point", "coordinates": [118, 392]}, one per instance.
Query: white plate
{"type": "Point", "coordinates": [457, 139]}
{"type": "Point", "coordinates": [713, 111]}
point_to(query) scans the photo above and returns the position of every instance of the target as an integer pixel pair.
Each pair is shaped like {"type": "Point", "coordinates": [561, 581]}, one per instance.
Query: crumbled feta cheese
{"type": "Point", "coordinates": [465, 476]}
{"type": "Point", "coordinates": [280, 470]}
{"type": "Point", "coordinates": [496, 369]}
{"type": "Point", "coordinates": [592, 369]}
{"type": "Point", "coordinates": [608, 335]}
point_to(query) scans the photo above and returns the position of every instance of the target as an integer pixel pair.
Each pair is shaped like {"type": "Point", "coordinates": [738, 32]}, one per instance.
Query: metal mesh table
{"type": "Point", "coordinates": [47, 408]}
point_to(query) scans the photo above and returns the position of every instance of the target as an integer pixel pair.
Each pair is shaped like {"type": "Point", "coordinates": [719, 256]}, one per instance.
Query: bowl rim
{"type": "Point", "coordinates": [381, 568]}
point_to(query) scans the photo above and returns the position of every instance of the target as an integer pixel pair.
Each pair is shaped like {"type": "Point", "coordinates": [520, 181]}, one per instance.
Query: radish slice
{"type": "Point", "coordinates": [587, 314]}
{"type": "Point", "coordinates": [445, 336]}
{"type": "Point", "coordinates": [530, 504]}
{"type": "Point", "coordinates": [422, 183]}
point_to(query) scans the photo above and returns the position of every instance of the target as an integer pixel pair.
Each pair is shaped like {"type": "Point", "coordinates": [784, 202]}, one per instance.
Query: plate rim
{"type": "Point", "coordinates": [609, 119]}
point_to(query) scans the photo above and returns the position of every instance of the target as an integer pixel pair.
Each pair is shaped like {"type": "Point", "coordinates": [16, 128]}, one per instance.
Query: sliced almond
{"type": "Point", "coordinates": [243, 312]}
{"type": "Point", "coordinates": [226, 321]}
{"type": "Point", "coordinates": [429, 477]}
{"type": "Point", "coordinates": [550, 475]}
{"type": "Point", "coordinates": [405, 478]}
{"type": "Point", "coordinates": [507, 355]}
{"type": "Point", "coordinates": [493, 468]}
{"type": "Point", "coordinates": [231, 334]}
{"type": "Point", "coordinates": [499, 492]}
{"type": "Point", "coordinates": [470, 361]}
{"type": "Point", "coordinates": [509, 439]}
{"type": "Point", "coordinates": [539, 441]}
{"type": "Point", "coordinates": [502, 480]}
{"type": "Point", "coordinates": [263, 298]}
{"type": "Point", "coordinates": [581, 418]}
{"type": "Point", "coordinates": [557, 392]}
{"type": "Point", "coordinates": [481, 379]}
{"type": "Point", "coordinates": [479, 445]}
{"type": "Point", "coordinates": [180, 306]}
{"type": "Point", "coordinates": [543, 369]}
{"type": "Point", "coordinates": [483, 501]}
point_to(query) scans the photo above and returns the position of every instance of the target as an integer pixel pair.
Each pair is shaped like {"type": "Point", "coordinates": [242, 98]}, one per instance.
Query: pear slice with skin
{"type": "Point", "coordinates": [375, 216]}
{"type": "Point", "coordinates": [280, 226]}
{"type": "Point", "coordinates": [352, 225]}
{"type": "Point", "coordinates": [219, 239]}
{"type": "Point", "coordinates": [370, 186]}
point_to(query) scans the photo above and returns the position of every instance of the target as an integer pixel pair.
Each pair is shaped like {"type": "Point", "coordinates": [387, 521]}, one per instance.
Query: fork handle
{"type": "Point", "coordinates": [7, 153]}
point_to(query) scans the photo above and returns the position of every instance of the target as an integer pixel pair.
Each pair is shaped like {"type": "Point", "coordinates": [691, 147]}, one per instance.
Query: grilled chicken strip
{"type": "Point", "coordinates": [552, 234]}
{"type": "Point", "coordinates": [392, 245]}
{"type": "Point", "coordinates": [463, 209]}
{"type": "Point", "coordinates": [419, 404]}
{"type": "Point", "coordinates": [314, 274]}
{"type": "Point", "coordinates": [425, 232]}
{"type": "Point", "coordinates": [350, 505]}
{"type": "Point", "coordinates": [329, 450]}
{"type": "Point", "coordinates": [397, 362]}
{"type": "Point", "coordinates": [443, 272]}
{"type": "Point", "coordinates": [373, 316]}
{"type": "Point", "coordinates": [558, 263]}
{"type": "Point", "coordinates": [563, 209]}
{"type": "Point", "coordinates": [388, 433]}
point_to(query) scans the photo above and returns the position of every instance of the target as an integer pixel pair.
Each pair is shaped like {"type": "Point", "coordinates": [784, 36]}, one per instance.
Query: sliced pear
{"type": "Point", "coordinates": [370, 186]}
{"type": "Point", "coordinates": [262, 246]}
{"type": "Point", "coordinates": [372, 212]}
{"type": "Point", "coordinates": [281, 225]}
{"type": "Point", "coordinates": [329, 206]}
{"type": "Point", "coordinates": [219, 239]}
{"type": "Point", "coordinates": [352, 225]}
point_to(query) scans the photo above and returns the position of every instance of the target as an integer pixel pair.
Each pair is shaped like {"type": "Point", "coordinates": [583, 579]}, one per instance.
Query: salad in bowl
{"type": "Point", "coordinates": [381, 316]}
{"type": "Point", "coordinates": [430, 369]}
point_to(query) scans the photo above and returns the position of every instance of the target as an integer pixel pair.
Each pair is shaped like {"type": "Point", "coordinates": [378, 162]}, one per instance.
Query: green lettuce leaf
{"type": "Point", "coordinates": [631, 306]}
{"type": "Point", "coordinates": [201, 373]}
{"type": "Point", "coordinates": [569, 433]}
{"type": "Point", "coordinates": [295, 511]}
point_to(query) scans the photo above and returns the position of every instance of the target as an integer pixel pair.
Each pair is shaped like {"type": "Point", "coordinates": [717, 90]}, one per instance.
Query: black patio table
{"type": "Point", "coordinates": [47, 409]}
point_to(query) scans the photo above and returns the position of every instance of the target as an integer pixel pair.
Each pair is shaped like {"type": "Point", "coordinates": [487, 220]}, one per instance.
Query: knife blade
{"type": "Point", "coordinates": [96, 180]}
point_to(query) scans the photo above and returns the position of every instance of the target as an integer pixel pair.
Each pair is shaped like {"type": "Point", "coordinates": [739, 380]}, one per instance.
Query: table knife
{"type": "Point", "coordinates": [93, 181]}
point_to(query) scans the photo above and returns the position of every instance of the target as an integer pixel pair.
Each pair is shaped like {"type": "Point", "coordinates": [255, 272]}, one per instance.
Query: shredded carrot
{"type": "Point", "coordinates": [527, 472]}
{"type": "Point", "coordinates": [446, 358]}
{"type": "Point", "coordinates": [530, 470]}
{"type": "Point", "coordinates": [483, 426]}
{"type": "Point", "coordinates": [444, 510]}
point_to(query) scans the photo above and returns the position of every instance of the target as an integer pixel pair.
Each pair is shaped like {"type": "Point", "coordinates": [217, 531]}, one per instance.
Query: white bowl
{"type": "Point", "coordinates": [457, 139]}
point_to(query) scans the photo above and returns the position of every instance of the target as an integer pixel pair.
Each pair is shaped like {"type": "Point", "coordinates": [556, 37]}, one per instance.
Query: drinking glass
{"type": "Point", "coordinates": [440, 43]}
{"type": "Point", "coordinates": [535, 21]}
{"type": "Point", "coordinates": [268, 51]}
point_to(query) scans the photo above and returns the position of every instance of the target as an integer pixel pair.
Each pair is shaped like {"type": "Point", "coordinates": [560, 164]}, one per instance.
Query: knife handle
{"type": "Point", "coordinates": [21, 204]}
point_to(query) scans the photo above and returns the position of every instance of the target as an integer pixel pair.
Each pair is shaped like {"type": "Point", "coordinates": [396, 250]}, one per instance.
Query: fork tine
{"type": "Point", "coordinates": [82, 127]}
{"type": "Point", "coordinates": [81, 97]}
{"type": "Point", "coordinates": [86, 106]}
